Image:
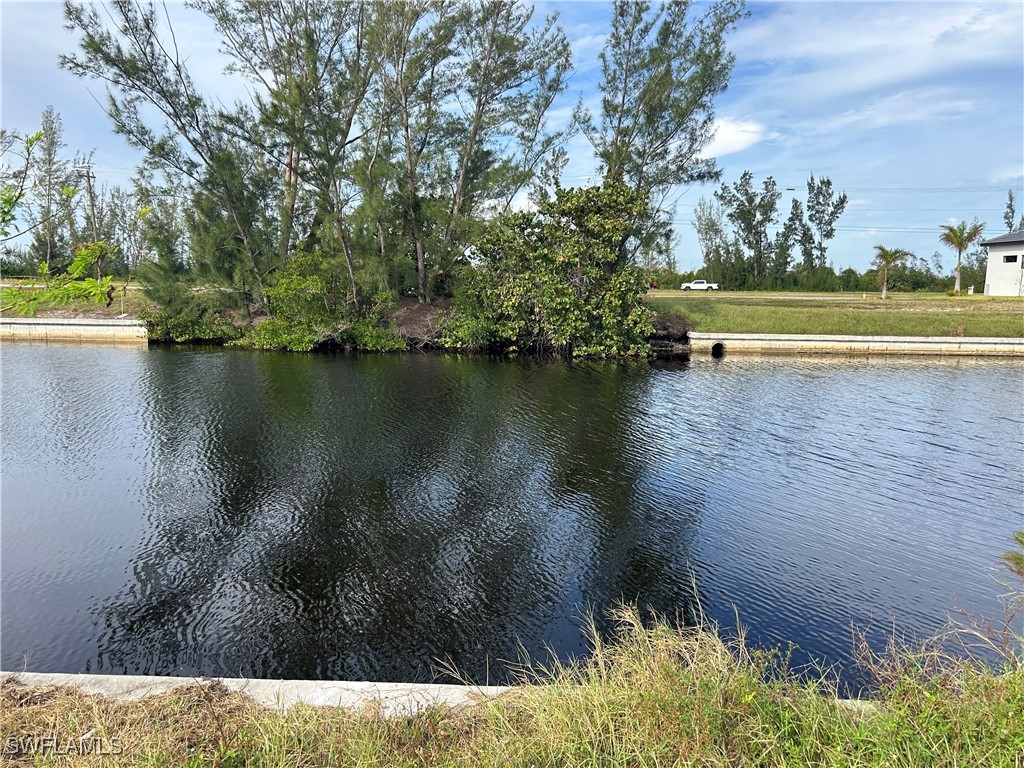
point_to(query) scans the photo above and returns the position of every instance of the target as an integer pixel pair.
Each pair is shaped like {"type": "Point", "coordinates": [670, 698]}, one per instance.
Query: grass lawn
{"type": "Point", "coordinates": [902, 314]}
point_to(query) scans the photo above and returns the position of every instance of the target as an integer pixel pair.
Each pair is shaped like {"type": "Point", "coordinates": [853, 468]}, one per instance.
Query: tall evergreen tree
{"type": "Point", "coordinates": [753, 213]}
{"type": "Point", "coordinates": [142, 65]}
{"type": "Point", "coordinates": [418, 79]}
{"type": "Point", "coordinates": [661, 73]}
{"type": "Point", "coordinates": [823, 211]}
{"type": "Point", "coordinates": [512, 75]}
{"type": "Point", "coordinates": [1010, 212]}
{"type": "Point", "coordinates": [313, 63]}
{"type": "Point", "coordinates": [52, 192]}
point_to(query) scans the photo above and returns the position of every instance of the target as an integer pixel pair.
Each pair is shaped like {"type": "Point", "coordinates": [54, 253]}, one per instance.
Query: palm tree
{"type": "Point", "coordinates": [960, 238]}
{"type": "Point", "coordinates": [885, 258]}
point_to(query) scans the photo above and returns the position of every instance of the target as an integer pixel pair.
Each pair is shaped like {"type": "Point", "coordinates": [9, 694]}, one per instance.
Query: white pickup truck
{"type": "Point", "coordinates": [699, 285]}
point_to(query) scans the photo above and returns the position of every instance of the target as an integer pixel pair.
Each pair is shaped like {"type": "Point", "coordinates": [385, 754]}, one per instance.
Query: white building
{"type": "Point", "coordinates": [1005, 273]}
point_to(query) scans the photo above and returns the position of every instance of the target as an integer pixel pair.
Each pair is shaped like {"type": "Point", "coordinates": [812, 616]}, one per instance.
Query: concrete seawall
{"type": "Point", "coordinates": [387, 698]}
{"type": "Point", "coordinates": [81, 330]}
{"type": "Point", "coordinates": [719, 344]}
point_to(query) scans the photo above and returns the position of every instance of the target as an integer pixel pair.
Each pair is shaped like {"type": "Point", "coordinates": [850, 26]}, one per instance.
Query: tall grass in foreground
{"type": "Point", "coordinates": [651, 695]}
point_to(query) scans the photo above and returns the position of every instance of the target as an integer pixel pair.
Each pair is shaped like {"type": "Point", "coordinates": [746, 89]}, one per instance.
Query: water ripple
{"type": "Point", "coordinates": [232, 513]}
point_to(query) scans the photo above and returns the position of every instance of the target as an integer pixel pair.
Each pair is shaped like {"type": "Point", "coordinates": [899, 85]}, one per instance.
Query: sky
{"type": "Point", "coordinates": [914, 109]}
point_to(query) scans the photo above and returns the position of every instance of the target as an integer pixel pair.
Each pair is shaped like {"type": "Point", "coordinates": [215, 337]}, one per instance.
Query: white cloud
{"type": "Point", "coordinates": [732, 136]}
{"type": "Point", "coordinates": [837, 48]}
{"type": "Point", "coordinates": [586, 50]}
{"type": "Point", "coordinates": [923, 105]}
{"type": "Point", "coordinates": [1007, 174]}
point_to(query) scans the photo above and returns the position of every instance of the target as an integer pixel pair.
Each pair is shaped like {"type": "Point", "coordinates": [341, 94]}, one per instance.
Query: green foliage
{"type": "Point", "coordinates": [274, 333]}
{"type": "Point", "coordinates": [375, 331]}
{"type": "Point", "coordinates": [555, 281]}
{"type": "Point", "coordinates": [302, 293]}
{"type": "Point", "coordinates": [196, 321]}
{"type": "Point", "coordinates": [302, 306]}
{"type": "Point", "coordinates": [305, 314]}
{"type": "Point", "coordinates": [13, 180]}
{"type": "Point", "coordinates": [1014, 559]}
{"type": "Point", "coordinates": [188, 312]}
{"type": "Point", "coordinates": [71, 286]}
{"type": "Point", "coordinates": [662, 69]}
{"type": "Point", "coordinates": [960, 237]}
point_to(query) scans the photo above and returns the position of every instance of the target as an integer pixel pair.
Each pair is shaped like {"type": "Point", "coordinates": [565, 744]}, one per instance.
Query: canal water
{"type": "Point", "coordinates": [180, 511]}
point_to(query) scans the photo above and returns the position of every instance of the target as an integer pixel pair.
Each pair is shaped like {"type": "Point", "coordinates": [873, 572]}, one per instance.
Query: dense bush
{"type": "Point", "coordinates": [301, 302]}
{"type": "Point", "coordinates": [375, 331]}
{"type": "Point", "coordinates": [196, 320]}
{"type": "Point", "coordinates": [556, 280]}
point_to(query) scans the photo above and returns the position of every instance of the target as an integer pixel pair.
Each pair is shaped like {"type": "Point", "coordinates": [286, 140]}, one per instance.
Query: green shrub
{"type": "Point", "coordinates": [557, 280]}
{"type": "Point", "coordinates": [275, 333]}
{"type": "Point", "coordinates": [304, 313]}
{"type": "Point", "coordinates": [375, 331]}
{"type": "Point", "coordinates": [195, 321]}
{"type": "Point", "coordinates": [186, 313]}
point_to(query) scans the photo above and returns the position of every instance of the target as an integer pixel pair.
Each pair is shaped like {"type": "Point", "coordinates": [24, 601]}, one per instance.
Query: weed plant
{"type": "Point", "coordinates": [649, 695]}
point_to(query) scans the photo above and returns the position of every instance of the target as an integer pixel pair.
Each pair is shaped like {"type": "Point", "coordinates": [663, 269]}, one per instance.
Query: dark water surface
{"type": "Point", "coordinates": [172, 511]}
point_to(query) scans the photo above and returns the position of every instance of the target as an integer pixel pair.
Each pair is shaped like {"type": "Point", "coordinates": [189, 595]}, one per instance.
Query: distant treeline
{"type": "Point", "coordinates": [916, 274]}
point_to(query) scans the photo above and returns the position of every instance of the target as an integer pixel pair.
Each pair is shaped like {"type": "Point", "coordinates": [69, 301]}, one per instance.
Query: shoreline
{"type": "Point", "coordinates": [390, 699]}
{"type": "Point", "coordinates": [722, 344]}
{"type": "Point", "coordinates": [131, 331]}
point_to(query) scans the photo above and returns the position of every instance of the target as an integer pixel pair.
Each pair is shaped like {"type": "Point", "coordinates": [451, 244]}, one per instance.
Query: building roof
{"type": "Point", "coordinates": [1007, 239]}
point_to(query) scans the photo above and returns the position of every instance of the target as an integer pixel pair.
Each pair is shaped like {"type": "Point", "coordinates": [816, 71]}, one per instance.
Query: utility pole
{"type": "Point", "coordinates": [86, 169]}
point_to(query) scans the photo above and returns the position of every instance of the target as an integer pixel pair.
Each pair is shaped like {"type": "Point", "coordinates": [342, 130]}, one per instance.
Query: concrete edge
{"type": "Point", "coordinates": [105, 322]}
{"type": "Point", "coordinates": [389, 699]}
{"type": "Point", "coordinates": [88, 330]}
{"type": "Point", "coordinates": [818, 337]}
{"type": "Point", "coordinates": [717, 344]}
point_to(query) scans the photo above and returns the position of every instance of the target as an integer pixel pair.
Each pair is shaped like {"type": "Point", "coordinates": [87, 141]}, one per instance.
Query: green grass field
{"type": "Point", "coordinates": [902, 314]}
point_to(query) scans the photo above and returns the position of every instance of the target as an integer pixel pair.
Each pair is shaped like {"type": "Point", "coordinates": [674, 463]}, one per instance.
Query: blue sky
{"type": "Point", "coordinates": [915, 109]}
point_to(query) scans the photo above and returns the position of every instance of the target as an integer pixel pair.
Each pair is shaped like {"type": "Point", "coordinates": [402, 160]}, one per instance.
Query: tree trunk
{"type": "Point", "coordinates": [411, 206]}
{"type": "Point", "coordinates": [291, 188]}
{"type": "Point", "coordinates": [259, 295]}
{"type": "Point", "coordinates": [956, 284]}
{"type": "Point", "coordinates": [460, 186]}
{"type": "Point", "coordinates": [383, 254]}
{"type": "Point", "coordinates": [348, 261]}
{"type": "Point", "coordinates": [421, 262]}
{"type": "Point", "coordinates": [885, 283]}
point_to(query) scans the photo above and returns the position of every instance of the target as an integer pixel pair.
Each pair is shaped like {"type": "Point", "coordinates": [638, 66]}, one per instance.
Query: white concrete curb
{"type": "Point", "coordinates": [84, 330]}
{"type": "Point", "coordinates": [389, 699]}
{"type": "Point", "coordinates": [833, 344]}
